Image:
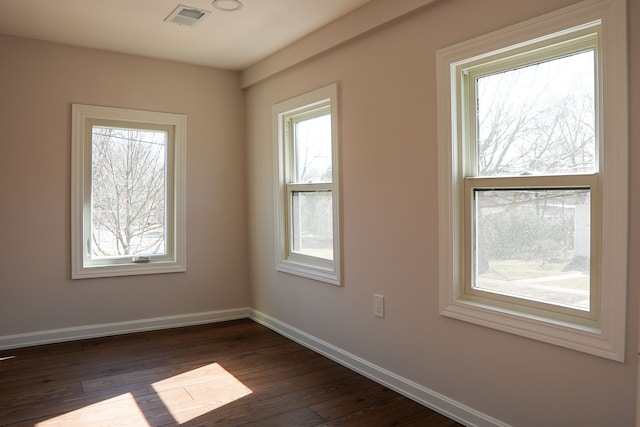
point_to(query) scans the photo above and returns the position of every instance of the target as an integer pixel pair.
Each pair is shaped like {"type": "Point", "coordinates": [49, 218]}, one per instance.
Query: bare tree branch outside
{"type": "Point", "coordinates": [128, 192]}
{"type": "Point", "coordinates": [538, 119]}
{"type": "Point", "coordinates": [532, 121]}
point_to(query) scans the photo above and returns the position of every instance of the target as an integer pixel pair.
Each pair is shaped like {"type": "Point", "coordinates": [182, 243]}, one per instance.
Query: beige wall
{"type": "Point", "coordinates": [389, 210]}
{"type": "Point", "coordinates": [38, 84]}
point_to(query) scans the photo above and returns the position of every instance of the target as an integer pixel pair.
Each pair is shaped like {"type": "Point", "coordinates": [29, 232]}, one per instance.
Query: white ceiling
{"type": "Point", "coordinates": [228, 40]}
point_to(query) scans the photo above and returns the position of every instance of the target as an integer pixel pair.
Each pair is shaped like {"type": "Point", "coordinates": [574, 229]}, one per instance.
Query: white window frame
{"type": "Point", "coordinates": [320, 100]}
{"type": "Point", "coordinates": [602, 331]}
{"type": "Point", "coordinates": [83, 118]}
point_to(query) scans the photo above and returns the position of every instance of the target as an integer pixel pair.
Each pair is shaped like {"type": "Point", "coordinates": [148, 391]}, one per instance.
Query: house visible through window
{"type": "Point", "coordinates": [533, 177]}
{"type": "Point", "coordinates": [128, 192]}
{"type": "Point", "coordinates": [306, 190]}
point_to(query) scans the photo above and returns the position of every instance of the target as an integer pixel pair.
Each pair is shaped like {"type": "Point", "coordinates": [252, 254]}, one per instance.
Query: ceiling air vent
{"type": "Point", "coordinates": [185, 15]}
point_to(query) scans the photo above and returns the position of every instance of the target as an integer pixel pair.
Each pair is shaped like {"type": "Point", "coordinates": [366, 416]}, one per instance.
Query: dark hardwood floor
{"type": "Point", "coordinates": [231, 373]}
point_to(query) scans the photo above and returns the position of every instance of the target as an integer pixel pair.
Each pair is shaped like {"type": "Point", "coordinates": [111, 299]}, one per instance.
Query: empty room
{"type": "Point", "coordinates": [335, 212]}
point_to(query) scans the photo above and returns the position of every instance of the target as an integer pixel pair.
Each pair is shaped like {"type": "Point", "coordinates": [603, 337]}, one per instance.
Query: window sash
{"type": "Point", "coordinates": [316, 110]}
{"type": "Point", "coordinates": [559, 182]}
{"type": "Point", "coordinates": [562, 46]}
{"type": "Point", "coordinates": [293, 189]}
{"type": "Point", "coordinates": [169, 182]}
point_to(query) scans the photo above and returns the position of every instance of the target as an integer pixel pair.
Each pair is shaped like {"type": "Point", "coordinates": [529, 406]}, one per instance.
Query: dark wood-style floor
{"type": "Point", "coordinates": [231, 373]}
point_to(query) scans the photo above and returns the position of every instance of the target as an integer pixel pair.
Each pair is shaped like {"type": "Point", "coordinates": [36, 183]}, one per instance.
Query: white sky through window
{"type": "Point", "coordinates": [538, 119]}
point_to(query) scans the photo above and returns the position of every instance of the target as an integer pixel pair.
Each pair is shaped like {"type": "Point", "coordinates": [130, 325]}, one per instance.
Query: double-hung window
{"type": "Point", "coordinates": [532, 148]}
{"type": "Point", "coordinates": [531, 177]}
{"type": "Point", "coordinates": [128, 195]}
{"type": "Point", "coordinates": [307, 241]}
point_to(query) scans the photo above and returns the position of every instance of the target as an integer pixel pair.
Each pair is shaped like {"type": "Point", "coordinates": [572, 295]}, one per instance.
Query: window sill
{"type": "Point", "coordinates": [577, 334]}
{"type": "Point", "coordinates": [127, 270]}
{"type": "Point", "coordinates": [309, 271]}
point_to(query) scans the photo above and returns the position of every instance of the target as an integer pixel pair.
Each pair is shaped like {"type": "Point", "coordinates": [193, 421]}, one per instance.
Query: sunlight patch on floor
{"type": "Point", "coordinates": [176, 399]}
{"type": "Point", "coordinates": [205, 389]}
{"type": "Point", "coordinates": [105, 413]}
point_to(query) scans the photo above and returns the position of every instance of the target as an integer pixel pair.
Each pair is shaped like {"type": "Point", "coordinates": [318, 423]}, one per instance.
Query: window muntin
{"type": "Point", "coordinates": [562, 33]}
{"type": "Point", "coordinates": [128, 192]}
{"type": "Point", "coordinates": [308, 241]}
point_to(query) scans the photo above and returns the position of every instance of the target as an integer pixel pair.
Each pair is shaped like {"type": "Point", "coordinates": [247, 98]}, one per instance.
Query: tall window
{"type": "Point", "coordinates": [128, 199]}
{"type": "Point", "coordinates": [532, 162]}
{"type": "Point", "coordinates": [306, 186]}
{"type": "Point", "coordinates": [531, 177]}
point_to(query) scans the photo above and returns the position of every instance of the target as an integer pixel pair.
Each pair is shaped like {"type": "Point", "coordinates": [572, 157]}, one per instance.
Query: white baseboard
{"type": "Point", "coordinates": [93, 331]}
{"type": "Point", "coordinates": [429, 398]}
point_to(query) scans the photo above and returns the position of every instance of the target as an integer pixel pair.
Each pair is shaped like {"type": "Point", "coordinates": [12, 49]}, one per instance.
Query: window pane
{"type": "Point", "coordinates": [534, 244]}
{"type": "Point", "coordinates": [538, 119]}
{"type": "Point", "coordinates": [128, 192]}
{"type": "Point", "coordinates": [313, 150]}
{"type": "Point", "coordinates": [312, 223]}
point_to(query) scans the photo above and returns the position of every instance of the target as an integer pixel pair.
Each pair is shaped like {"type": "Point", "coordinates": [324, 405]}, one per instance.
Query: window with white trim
{"type": "Point", "coordinates": [533, 178]}
{"type": "Point", "coordinates": [128, 192]}
{"type": "Point", "coordinates": [307, 222]}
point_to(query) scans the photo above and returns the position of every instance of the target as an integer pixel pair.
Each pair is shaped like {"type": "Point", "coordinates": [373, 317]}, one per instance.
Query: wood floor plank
{"type": "Point", "coordinates": [28, 366]}
{"type": "Point", "coordinates": [12, 402]}
{"type": "Point", "coordinates": [263, 351]}
{"type": "Point", "coordinates": [387, 413]}
{"type": "Point", "coordinates": [182, 375]}
{"type": "Point", "coordinates": [300, 382]}
{"type": "Point", "coordinates": [300, 418]}
{"type": "Point", "coordinates": [427, 418]}
{"type": "Point", "coordinates": [246, 411]}
{"type": "Point", "coordinates": [61, 377]}
{"type": "Point", "coordinates": [356, 401]}
{"type": "Point", "coordinates": [231, 374]}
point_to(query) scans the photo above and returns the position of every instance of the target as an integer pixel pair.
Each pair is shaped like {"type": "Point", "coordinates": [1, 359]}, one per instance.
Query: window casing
{"type": "Point", "coordinates": [306, 187]}
{"type": "Point", "coordinates": [528, 187]}
{"type": "Point", "coordinates": [128, 195]}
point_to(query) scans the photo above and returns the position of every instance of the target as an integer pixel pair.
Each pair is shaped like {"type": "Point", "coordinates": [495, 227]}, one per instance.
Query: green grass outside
{"type": "Point", "coordinates": [520, 270]}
